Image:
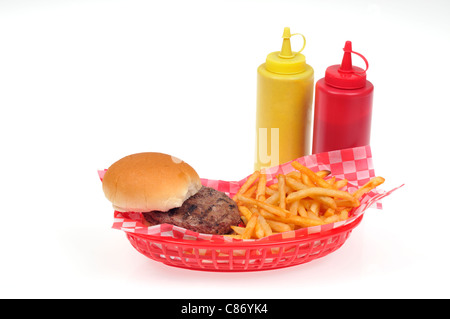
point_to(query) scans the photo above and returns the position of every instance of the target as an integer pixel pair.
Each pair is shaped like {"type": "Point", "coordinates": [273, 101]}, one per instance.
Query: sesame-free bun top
{"type": "Point", "coordinates": [145, 182]}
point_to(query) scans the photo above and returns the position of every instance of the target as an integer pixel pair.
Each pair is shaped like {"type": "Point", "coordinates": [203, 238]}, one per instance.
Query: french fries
{"type": "Point", "coordinates": [301, 198]}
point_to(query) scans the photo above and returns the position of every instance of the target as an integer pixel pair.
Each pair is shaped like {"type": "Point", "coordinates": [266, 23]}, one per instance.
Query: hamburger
{"type": "Point", "coordinates": [166, 190]}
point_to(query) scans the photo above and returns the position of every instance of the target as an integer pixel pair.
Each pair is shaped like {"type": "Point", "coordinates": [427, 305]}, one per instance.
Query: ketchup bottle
{"type": "Point", "coordinates": [343, 106]}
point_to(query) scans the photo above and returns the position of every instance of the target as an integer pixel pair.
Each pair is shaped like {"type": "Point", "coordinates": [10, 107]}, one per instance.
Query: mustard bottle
{"type": "Point", "coordinates": [285, 86]}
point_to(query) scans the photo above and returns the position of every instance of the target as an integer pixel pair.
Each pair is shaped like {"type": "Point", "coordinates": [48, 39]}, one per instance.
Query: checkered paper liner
{"type": "Point", "coordinates": [353, 164]}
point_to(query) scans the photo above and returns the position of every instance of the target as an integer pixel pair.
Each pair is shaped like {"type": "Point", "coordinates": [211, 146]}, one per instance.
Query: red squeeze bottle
{"type": "Point", "coordinates": [343, 106]}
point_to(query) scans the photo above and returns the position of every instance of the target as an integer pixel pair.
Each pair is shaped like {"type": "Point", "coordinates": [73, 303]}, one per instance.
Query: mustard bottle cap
{"type": "Point", "coordinates": [286, 61]}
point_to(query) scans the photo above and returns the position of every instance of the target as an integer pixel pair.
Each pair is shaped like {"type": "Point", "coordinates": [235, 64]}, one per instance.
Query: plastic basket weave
{"type": "Point", "coordinates": [241, 255]}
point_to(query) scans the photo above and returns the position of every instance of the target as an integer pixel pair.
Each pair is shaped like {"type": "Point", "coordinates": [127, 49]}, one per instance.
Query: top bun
{"type": "Point", "coordinates": [145, 182]}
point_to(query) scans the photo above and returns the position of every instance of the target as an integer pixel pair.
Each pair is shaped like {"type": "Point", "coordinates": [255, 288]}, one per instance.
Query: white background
{"type": "Point", "coordinates": [84, 83]}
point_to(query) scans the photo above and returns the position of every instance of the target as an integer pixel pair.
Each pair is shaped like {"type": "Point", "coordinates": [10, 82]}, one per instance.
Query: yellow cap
{"type": "Point", "coordinates": [286, 61]}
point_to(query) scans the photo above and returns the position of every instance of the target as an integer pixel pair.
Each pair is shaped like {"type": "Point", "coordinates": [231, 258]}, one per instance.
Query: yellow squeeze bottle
{"type": "Point", "coordinates": [285, 87]}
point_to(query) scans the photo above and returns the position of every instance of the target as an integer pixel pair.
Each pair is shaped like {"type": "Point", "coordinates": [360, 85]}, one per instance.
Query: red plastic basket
{"type": "Point", "coordinates": [241, 255]}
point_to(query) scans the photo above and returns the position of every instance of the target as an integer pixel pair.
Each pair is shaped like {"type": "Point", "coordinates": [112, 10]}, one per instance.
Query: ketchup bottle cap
{"type": "Point", "coordinates": [347, 76]}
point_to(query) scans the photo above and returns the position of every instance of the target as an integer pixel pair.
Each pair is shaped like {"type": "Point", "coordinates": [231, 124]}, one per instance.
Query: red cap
{"type": "Point", "coordinates": [347, 76]}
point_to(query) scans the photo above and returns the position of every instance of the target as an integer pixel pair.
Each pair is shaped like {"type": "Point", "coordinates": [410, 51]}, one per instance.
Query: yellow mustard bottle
{"type": "Point", "coordinates": [285, 86]}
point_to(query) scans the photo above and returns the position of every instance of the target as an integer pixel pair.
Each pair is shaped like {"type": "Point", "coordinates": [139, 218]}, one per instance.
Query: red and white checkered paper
{"type": "Point", "coordinates": [353, 164]}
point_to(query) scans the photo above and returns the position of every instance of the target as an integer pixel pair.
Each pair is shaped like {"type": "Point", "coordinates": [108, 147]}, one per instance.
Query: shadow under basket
{"type": "Point", "coordinates": [241, 255]}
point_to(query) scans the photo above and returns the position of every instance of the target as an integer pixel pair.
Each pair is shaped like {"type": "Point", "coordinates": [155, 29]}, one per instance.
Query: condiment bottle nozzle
{"type": "Point", "coordinates": [286, 51]}
{"type": "Point", "coordinates": [346, 65]}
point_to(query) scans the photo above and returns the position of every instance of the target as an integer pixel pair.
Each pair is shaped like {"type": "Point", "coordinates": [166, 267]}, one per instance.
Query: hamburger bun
{"type": "Point", "coordinates": [149, 181]}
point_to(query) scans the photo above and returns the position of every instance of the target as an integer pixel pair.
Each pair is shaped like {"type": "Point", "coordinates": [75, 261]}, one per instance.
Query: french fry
{"type": "Point", "coordinates": [238, 230]}
{"type": "Point", "coordinates": [329, 212]}
{"type": "Point", "coordinates": [245, 211]}
{"type": "Point", "coordinates": [252, 178]}
{"type": "Point", "coordinates": [295, 184]}
{"type": "Point", "coordinates": [340, 184]}
{"type": "Point", "coordinates": [302, 221]}
{"type": "Point", "coordinates": [323, 173]}
{"type": "Point", "coordinates": [268, 207]}
{"type": "Point", "coordinates": [343, 214]}
{"type": "Point", "coordinates": [295, 175]}
{"type": "Point", "coordinates": [318, 191]}
{"type": "Point", "coordinates": [345, 203]}
{"type": "Point", "coordinates": [307, 181]}
{"type": "Point", "coordinates": [282, 191]}
{"type": "Point", "coordinates": [268, 215]}
{"type": "Point", "coordinates": [259, 231]}
{"type": "Point", "coordinates": [274, 199]}
{"type": "Point", "coordinates": [249, 192]}
{"type": "Point", "coordinates": [301, 209]}
{"type": "Point", "coordinates": [295, 220]}
{"type": "Point", "coordinates": [265, 226]}
{"type": "Point", "coordinates": [278, 226]}
{"type": "Point", "coordinates": [293, 209]}
{"type": "Point", "coordinates": [315, 207]}
{"type": "Point", "coordinates": [331, 181]}
{"type": "Point", "coordinates": [374, 182]}
{"type": "Point", "coordinates": [331, 219]}
{"type": "Point", "coordinates": [270, 191]}
{"type": "Point", "coordinates": [313, 216]}
{"type": "Point", "coordinates": [326, 201]}
{"type": "Point", "coordinates": [261, 190]}
{"type": "Point", "coordinates": [250, 227]}
{"type": "Point", "coordinates": [311, 175]}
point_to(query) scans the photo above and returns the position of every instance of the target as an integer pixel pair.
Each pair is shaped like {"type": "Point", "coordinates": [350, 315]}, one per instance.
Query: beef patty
{"type": "Point", "coordinates": [208, 211]}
